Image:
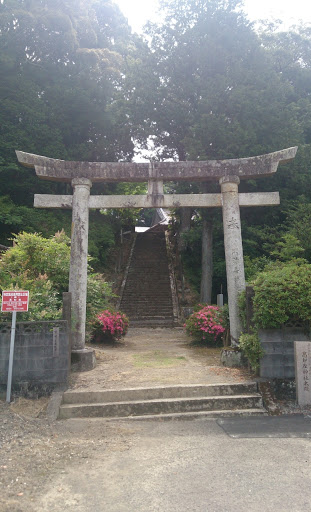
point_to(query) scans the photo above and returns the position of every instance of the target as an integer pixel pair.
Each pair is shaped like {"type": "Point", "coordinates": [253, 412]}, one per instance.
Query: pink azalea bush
{"type": "Point", "coordinates": [109, 325]}
{"type": "Point", "coordinates": [206, 324]}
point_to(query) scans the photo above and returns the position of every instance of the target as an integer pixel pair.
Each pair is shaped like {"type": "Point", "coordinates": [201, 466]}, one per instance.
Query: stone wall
{"type": "Point", "coordinates": [41, 354]}
{"type": "Point", "coordinates": [278, 345]}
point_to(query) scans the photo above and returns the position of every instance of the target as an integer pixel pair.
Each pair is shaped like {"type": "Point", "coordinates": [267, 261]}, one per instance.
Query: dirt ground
{"type": "Point", "coordinates": [36, 450]}
{"type": "Point", "coordinates": [154, 357]}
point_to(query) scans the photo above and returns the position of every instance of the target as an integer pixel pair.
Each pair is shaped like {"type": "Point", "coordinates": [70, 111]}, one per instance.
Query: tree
{"type": "Point", "coordinates": [63, 65]}
{"type": "Point", "coordinates": [219, 94]}
{"type": "Point", "coordinates": [41, 265]}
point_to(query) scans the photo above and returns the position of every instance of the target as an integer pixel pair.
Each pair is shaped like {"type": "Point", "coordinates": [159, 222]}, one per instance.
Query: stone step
{"type": "Point", "coordinates": [144, 310]}
{"type": "Point", "coordinates": [193, 415]}
{"type": "Point", "coordinates": [156, 306]}
{"type": "Point", "coordinates": [140, 295]}
{"type": "Point", "coordinates": [138, 279]}
{"type": "Point", "coordinates": [154, 324]}
{"type": "Point", "coordinates": [154, 318]}
{"type": "Point", "coordinates": [165, 302]}
{"type": "Point", "coordinates": [160, 406]}
{"type": "Point", "coordinates": [157, 392]}
{"type": "Point", "coordinates": [147, 315]}
{"type": "Point", "coordinates": [137, 294]}
{"type": "Point", "coordinates": [136, 316]}
{"type": "Point", "coordinates": [147, 295]}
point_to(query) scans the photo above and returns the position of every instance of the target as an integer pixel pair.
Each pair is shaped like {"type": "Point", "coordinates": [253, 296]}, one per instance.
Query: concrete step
{"type": "Point", "coordinates": [157, 392]}
{"type": "Point", "coordinates": [165, 402]}
{"type": "Point", "coordinates": [167, 305]}
{"type": "Point", "coordinates": [135, 316]}
{"type": "Point", "coordinates": [161, 406]}
{"type": "Point", "coordinates": [145, 312]}
{"type": "Point", "coordinates": [153, 324]}
{"type": "Point", "coordinates": [147, 295]}
{"type": "Point", "coordinates": [137, 284]}
{"type": "Point", "coordinates": [147, 315]}
{"type": "Point", "coordinates": [139, 297]}
{"type": "Point", "coordinates": [194, 415]}
{"type": "Point", "coordinates": [154, 318]}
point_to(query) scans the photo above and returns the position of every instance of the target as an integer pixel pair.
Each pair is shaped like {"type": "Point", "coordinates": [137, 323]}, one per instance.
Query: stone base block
{"type": "Point", "coordinates": [232, 358]}
{"type": "Point", "coordinates": [83, 360]}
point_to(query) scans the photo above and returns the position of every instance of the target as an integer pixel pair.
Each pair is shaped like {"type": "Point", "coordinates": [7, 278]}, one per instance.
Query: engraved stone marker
{"type": "Point", "coordinates": [303, 371]}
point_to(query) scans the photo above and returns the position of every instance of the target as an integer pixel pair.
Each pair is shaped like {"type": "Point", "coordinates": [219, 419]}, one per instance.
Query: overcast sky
{"type": "Point", "coordinates": [139, 11]}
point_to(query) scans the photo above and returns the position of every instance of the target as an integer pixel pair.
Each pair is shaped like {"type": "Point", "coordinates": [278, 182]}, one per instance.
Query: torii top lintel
{"type": "Point", "coordinates": [210, 170]}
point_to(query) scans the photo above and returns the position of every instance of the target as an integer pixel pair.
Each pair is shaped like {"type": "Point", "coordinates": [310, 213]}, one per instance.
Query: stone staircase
{"type": "Point", "coordinates": [173, 402]}
{"type": "Point", "coordinates": [147, 296]}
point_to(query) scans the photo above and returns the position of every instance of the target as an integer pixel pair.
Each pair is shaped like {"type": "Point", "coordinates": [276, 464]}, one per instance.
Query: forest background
{"type": "Point", "coordinates": [205, 83]}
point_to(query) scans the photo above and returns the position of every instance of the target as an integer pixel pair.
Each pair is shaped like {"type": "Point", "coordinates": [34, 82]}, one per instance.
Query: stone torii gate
{"type": "Point", "coordinates": [81, 175]}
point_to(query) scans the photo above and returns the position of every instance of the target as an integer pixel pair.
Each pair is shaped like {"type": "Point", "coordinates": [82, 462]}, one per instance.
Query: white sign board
{"type": "Point", "coordinates": [303, 371]}
{"type": "Point", "coordinates": [15, 300]}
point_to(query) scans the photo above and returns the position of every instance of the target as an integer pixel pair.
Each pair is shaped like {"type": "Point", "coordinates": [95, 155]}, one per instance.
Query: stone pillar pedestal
{"type": "Point", "coordinates": [78, 265]}
{"type": "Point", "coordinates": [233, 250]}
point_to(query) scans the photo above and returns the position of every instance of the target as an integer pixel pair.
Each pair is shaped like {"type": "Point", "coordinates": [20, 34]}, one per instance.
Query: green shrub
{"type": "Point", "coordinates": [99, 295]}
{"type": "Point", "coordinates": [43, 299]}
{"type": "Point", "coordinates": [41, 265]}
{"type": "Point", "coordinates": [250, 346]}
{"type": "Point", "coordinates": [282, 293]}
{"type": "Point", "coordinates": [37, 256]}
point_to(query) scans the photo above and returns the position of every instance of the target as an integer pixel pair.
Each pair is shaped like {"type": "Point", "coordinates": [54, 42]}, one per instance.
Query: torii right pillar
{"type": "Point", "coordinates": [233, 250]}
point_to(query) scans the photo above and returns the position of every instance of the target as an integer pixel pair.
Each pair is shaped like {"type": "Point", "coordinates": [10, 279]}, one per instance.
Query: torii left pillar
{"type": "Point", "coordinates": [82, 357]}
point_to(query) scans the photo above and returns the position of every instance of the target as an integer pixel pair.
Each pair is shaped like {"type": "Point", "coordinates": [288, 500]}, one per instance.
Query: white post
{"type": "Point", "coordinates": [10, 372]}
{"type": "Point", "coordinates": [78, 259]}
{"type": "Point", "coordinates": [233, 250]}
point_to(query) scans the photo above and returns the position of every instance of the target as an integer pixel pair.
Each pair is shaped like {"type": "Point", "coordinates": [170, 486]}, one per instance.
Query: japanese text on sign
{"type": "Point", "coordinates": [15, 301]}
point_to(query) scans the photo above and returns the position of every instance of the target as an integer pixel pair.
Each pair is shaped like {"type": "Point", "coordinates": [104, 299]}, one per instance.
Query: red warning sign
{"type": "Point", "coordinates": [15, 300]}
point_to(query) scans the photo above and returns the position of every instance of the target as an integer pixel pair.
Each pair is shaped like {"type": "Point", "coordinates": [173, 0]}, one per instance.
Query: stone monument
{"type": "Point", "coordinates": [303, 372]}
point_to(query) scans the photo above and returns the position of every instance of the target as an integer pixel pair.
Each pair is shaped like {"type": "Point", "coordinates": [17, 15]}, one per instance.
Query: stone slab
{"type": "Point", "coordinates": [303, 372]}
{"type": "Point", "coordinates": [278, 346]}
{"type": "Point", "coordinates": [287, 426]}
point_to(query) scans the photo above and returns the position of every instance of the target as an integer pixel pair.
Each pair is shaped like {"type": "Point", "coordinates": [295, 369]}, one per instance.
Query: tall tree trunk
{"type": "Point", "coordinates": [185, 222]}
{"type": "Point", "coordinates": [207, 261]}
